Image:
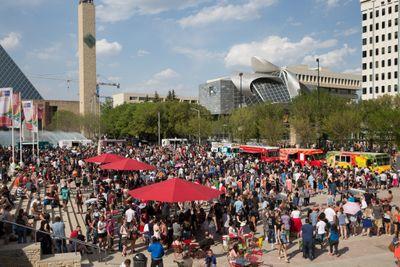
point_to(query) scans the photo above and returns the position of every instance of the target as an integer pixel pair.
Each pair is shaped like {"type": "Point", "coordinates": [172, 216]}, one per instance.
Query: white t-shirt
{"type": "Point", "coordinates": [329, 214]}
{"type": "Point", "coordinates": [129, 214]}
{"type": "Point", "coordinates": [321, 227]}
{"type": "Point", "coordinates": [295, 214]}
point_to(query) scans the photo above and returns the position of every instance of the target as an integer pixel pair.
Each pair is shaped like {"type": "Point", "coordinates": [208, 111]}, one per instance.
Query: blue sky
{"type": "Point", "coordinates": [149, 45]}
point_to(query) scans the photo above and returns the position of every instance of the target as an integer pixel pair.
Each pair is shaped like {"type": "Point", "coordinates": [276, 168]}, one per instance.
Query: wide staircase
{"type": "Point", "coordinates": [29, 254]}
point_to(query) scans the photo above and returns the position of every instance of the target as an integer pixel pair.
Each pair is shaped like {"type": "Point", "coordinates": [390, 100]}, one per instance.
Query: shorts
{"type": "Point", "coordinates": [386, 220]}
{"type": "Point", "coordinates": [102, 235]}
{"type": "Point", "coordinates": [378, 223]}
{"type": "Point", "coordinates": [65, 201]}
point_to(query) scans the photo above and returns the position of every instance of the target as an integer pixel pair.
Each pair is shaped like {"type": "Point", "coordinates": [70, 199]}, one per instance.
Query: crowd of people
{"type": "Point", "coordinates": [278, 196]}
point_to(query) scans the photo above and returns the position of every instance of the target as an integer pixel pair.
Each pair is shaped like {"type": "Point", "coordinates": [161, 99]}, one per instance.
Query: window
{"type": "Point", "coordinates": [376, 64]}
{"type": "Point", "coordinates": [383, 89]}
{"type": "Point", "coordinates": [395, 35]}
{"type": "Point", "coordinates": [364, 54]}
{"type": "Point", "coordinates": [383, 51]}
{"type": "Point", "coordinates": [364, 42]}
{"type": "Point", "coordinates": [377, 13]}
{"type": "Point", "coordinates": [371, 28]}
{"type": "Point", "coordinates": [364, 29]}
{"type": "Point", "coordinates": [365, 16]}
{"type": "Point", "coordinates": [395, 48]}
{"type": "Point", "coordinates": [382, 76]}
{"type": "Point", "coordinates": [364, 66]}
{"type": "Point", "coordinates": [396, 8]}
{"type": "Point", "coordinates": [370, 65]}
{"type": "Point", "coordinates": [396, 21]}
{"type": "Point", "coordinates": [389, 88]}
{"type": "Point", "coordinates": [377, 26]}
{"type": "Point", "coordinates": [364, 91]}
{"type": "Point", "coordinates": [377, 39]}
{"type": "Point", "coordinates": [383, 63]}
{"type": "Point", "coordinates": [389, 36]}
{"type": "Point", "coordinates": [395, 74]}
{"type": "Point", "coordinates": [376, 89]}
{"type": "Point", "coordinates": [370, 90]}
{"type": "Point", "coordinates": [389, 49]}
{"type": "Point", "coordinates": [383, 12]}
{"type": "Point", "coordinates": [370, 77]}
{"type": "Point", "coordinates": [370, 15]}
{"type": "Point", "coordinates": [389, 75]}
{"type": "Point", "coordinates": [389, 10]}
{"type": "Point", "coordinates": [376, 51]}
{"type": "Point", "coordinates": [389, 62]}
{"type": "Point", "coordinates": [364, 79]}
{"type": "Point", "coordinates": [389, 23]}
{"type": "Point", "coordinates": [376, 77]}
{"type": "Point", "coordinates": [383, 25]}
{"type": "Point", "coordinates": [395, 61]}
{"type": "Point", "coordinates": [395, 87]}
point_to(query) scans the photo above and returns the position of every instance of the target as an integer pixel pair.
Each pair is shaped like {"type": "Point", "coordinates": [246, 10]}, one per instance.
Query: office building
{"type": "Point", "coordinates": [122, 98]}
{"type": "Point", "coordinates": [380, 55]}
{"type": "Point", "coordinates": [12, 76]}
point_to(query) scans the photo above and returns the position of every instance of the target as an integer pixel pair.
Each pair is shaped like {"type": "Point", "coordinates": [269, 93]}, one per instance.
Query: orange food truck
{"type": "Point", "coordinates": [264, 153]}
{"type": "Point", "coordinates": [303, 156]}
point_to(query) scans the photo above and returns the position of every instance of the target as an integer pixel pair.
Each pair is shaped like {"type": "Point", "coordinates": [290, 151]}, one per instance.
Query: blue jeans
{"type": "Point", "coordinates": [61, 246]}
{"type": "Point", "coordinates": [21, 233]}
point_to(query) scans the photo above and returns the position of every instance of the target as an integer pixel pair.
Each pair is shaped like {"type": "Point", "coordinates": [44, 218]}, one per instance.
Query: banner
{"type": "Point", "coordinates": [27, 109]}
{"type": "Point", "coordinates": [35, 124]}
{"type": "Point", "coordinates": [5, 107]}
{"type": "Point", "coordinates": [16, 110]}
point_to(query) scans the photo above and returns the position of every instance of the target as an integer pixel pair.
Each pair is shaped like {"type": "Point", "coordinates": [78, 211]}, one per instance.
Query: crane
{"type": "Point", "coordinates": [118, 85]}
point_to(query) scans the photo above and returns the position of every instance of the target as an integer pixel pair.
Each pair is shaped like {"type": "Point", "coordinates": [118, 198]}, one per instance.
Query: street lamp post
{"type": "Point", "coordinates": [241, 90]}
{"type": "Point", "coordinates": [198, 117]}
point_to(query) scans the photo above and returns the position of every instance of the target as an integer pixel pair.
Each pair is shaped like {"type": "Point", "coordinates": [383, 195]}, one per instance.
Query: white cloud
{"type": "Point", "coordinates": [330, 3]}
{"type": "Point", "coordinates": [142, 53]}
{"type": "Point", "coordinates": [49, 53]}
{"type": "Point", "coordinates": [105, 48]}
{"type": "Point", "coordinates": [11, 41]}
{"type": "Point", "coordinates": [226, 12]}
{"type": "Point", "coordinates": [198, 54]}
{"type": "Point", "coordinates": [100, 28]}
{"type": "Point", "coordinates": [350, 31]}
{"type": "Point", "coordinates": [161, 77]}
{"type": "Point", "coordinates": [119, 10]}
{"type": "Point", "coordinates": [278, 50]}
{"type": "Point", "coordinates": [353, 71]}
{"type": "Point", "coordinates": [332, 58]}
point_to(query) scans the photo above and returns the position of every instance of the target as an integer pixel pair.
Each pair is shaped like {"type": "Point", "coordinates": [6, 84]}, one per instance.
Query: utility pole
{"type": "Point", "coordinates": [198, 117]}
{"type": "Point", "coordinates": [159, 128]}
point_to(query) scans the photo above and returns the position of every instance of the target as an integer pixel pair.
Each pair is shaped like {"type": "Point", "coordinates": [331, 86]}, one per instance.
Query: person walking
{"type": "Point", "coordinates": [307, 233]}
{"type": "Point", "coordinates": [157, 252]}
{"type": "Point", "coordinates": [333, 240]}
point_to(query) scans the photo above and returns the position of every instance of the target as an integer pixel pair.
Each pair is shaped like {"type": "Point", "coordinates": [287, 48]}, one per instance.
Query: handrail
{"type": "Point", "coordinates": [76, 241]}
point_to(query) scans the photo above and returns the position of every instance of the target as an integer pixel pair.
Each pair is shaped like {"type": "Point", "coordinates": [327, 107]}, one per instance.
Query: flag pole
{"type": "Point", "coordinates": [12, 125]}
{"type": "Point", "coordinates": [20, 129]}
{"type": "Point", "coordinates": [37, 129]}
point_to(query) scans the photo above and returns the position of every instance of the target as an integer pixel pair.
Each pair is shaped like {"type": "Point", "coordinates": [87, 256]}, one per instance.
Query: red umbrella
{"type": "Point", "coordinates": [175, 190]}
{"type": "Point", "coordinates": [104, 158]}
{"type": "Point", "coordinates": [127, 164]}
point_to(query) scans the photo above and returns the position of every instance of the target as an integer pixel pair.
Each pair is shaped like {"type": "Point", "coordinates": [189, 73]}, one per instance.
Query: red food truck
{"type": "Point", "coordinates": [303, 156]}
{"type": "Point", "coordinates": [264, 153]}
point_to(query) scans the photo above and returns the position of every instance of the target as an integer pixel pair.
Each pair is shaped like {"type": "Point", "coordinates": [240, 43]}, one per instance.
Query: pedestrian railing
{"type": "Point", "coordinates": [101, 252]}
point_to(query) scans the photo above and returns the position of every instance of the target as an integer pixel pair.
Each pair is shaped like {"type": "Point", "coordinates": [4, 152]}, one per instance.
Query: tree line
{"type": "Point", "coordinates": [313, 117]}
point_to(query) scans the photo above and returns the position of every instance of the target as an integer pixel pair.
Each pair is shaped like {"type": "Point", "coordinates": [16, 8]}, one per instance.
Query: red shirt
{"type": "Point", "coordinates": [74, 234]}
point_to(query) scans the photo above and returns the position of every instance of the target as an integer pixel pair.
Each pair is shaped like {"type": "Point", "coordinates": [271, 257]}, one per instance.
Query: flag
{"type": "Point", "coordinates": [5, 107]}
{"type": "Point", "coordinates": [35, 124]}
{"type": "Point", "coordinates": [16, 110]}
{"type": "Point", "coordinates": [27, 109]}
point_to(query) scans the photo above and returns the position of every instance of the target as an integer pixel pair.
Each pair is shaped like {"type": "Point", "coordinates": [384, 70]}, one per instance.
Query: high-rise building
{"type": "Point", "coordinates": [88, 99]}
{"type": "Point", "coordinates": [380, 53]}
{"type": "Point", "coordinates": [12, 76]}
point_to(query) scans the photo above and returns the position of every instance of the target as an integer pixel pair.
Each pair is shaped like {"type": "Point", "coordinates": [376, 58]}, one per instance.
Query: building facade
{"type": "Point", "coordinates": [380, 53]}
{"type": "Point", "coordinates": [342, 84]}
{"type": "Point", "coordinates": [122, 98]}
{"type": "Point", "coordinates": [273, 84]}
{"type": "Point", "coordinates": [12, 76]}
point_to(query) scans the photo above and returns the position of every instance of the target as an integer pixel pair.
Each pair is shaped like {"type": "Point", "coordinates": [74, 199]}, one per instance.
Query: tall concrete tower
{"type": "Point", "coordinates": [87, 57]}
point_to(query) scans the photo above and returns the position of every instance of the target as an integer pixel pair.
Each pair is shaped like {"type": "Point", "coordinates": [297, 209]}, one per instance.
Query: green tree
{"type": "Point", "coordinates": [156, 97]}
{"type": "Point", "coordinates": [65, 121]}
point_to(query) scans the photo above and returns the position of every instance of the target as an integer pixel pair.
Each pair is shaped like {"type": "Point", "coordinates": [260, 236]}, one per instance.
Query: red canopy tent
{"type": "Point", "coordinates": [175, 190]}
{"type": "Point", "coordinates": [128, 164]}
{"type": "Point", "coordinates": [104, 158]}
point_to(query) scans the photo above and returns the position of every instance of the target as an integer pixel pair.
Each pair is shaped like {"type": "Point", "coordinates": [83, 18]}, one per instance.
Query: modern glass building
{"type": "Point", "coordinates": [268, 83]}
{"type": "Point", "coordinates": [12, 76]}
